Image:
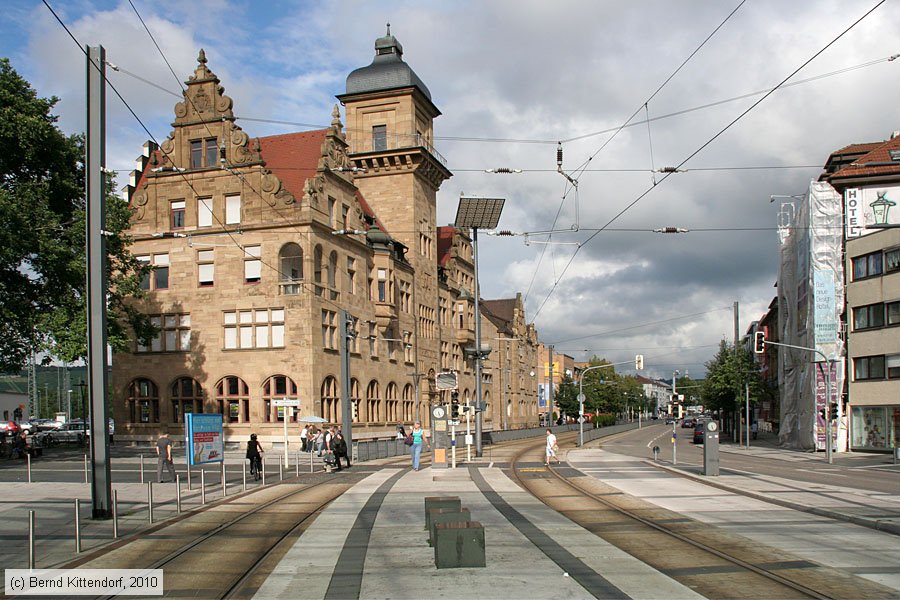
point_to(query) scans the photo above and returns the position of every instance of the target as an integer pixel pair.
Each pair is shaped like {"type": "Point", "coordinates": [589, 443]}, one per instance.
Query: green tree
{"type": "Point", "coordinates": [566, 396]}
{"type": "Point", "coordinates": [726, 375]}
{"type": "Point", "coordinates": [42, 237]}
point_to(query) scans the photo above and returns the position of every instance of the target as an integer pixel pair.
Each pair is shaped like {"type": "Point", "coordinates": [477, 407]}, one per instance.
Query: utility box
{"type": "Point", "coordinates": [711, 448]}
{"type": "Point", "coordinates": [440, 436]}
{"type": "Point", "coordinates": [459, 544]}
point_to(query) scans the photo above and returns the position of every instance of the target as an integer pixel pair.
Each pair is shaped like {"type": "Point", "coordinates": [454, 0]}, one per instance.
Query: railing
{"type": "Point", "coordinates": [411, 140]}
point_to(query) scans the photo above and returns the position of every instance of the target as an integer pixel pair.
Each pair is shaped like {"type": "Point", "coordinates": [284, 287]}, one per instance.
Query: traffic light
{"type": "Point", "coordinates": [639, 362]}
{"type": "Point", "coordinates": [355, 406]}
{"type": "Point", "coordinates": [833, 411]}
{"type": "Point", "coordinates": [680, 411]}
{"type": "Point", "coordinates": [759, 342]}
{"type": "Point", "coordinates": [454, 405]}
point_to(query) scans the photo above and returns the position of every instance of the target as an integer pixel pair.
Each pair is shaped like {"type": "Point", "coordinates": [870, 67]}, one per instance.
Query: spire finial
{"type": "Point", "coordinates": [388, 29]}
{"type": "Point", "coordinates": [201, 58]}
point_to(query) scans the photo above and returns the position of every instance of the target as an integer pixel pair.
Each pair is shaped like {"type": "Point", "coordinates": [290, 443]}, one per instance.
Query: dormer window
{"type": "Point", "coordinates": [203, 153]}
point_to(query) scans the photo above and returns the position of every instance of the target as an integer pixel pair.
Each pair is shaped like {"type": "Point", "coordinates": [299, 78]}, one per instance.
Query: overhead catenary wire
{"type": "Point", "coordinates": [702, 147]}
{"type": "Point", "coordinates": [639, 326]}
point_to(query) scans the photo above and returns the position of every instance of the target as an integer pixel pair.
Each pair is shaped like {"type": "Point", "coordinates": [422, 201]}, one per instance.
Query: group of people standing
{"type": "Point", "coordinates": [326, 441]}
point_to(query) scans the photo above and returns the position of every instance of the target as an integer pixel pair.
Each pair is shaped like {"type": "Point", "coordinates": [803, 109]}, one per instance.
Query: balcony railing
{"type": "Point", "coordinates": [407, 140]}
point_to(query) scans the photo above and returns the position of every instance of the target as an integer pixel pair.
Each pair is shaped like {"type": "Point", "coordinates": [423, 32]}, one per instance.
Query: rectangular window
{"type": "Point", "coordinates": [196, 154]}
{"type": "Point", "coordinates": [232, 210]}
{"type": "Point", "coordinates": [892, 260]}
{"type": "Point", "coordinates": [176, 209]}
{"type": "Point", "coordinates": [329, 329]}
{"type": "Point", "coordinates": [382, 285]}
{"type": "Point", "coordinates": [345, 212]}
{"type": "Point", "coordinates": [259, 328]}
{"type": "Point", "coordinates": [868, 367]}
{"type": "Point", "coordinates": [252, 264]}
{"type": "Point", "coordinates": [205, 268]}
{"type": "Point", "coordinates": [160, 271]}
{"type": "Point", "coordinates": [893, 313]}
{"type": "Point", "coordinates": [204, 212]}
{"type": "Point", "coordinates": [145, 280]}
{"type": "Point", "coordinates": [892, 363]}
{"type": "Point", "coordinates": [868, 265]}
{"type": "Point", "coordinates": [211, 147]}
{"type": "Point", "coordinates": [867, 317]}
{"type": "Point", "coordinates": [174, 334]}
{"type": "Point", "coordinates": [331, 205]}
{"type": "Point", "coordinates": [379, 137]}
{"type": "Point", "coordinates": [351, 275]}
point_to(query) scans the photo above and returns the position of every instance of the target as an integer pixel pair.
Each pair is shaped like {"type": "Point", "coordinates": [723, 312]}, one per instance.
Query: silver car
{"type": "Point", "coordinates": [68, 433]}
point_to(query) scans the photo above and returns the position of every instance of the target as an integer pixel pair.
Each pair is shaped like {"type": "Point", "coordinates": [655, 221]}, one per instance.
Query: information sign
{"type": "Point", "coordinates": [203, 438]}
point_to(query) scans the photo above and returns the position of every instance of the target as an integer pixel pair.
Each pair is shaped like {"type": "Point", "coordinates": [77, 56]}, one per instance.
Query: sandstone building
{"type": "Point", "coordinates": [257, 244]}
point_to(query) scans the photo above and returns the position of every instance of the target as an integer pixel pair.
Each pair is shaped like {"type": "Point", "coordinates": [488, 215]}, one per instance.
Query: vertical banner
{"type": "Point", "coordinates": [204, 441]}
{"type": "Point", "coordinates": [821, 392]}
{"type": "Point", "coordinates": [825, 322]}
{"type": "Point", "coordinates": [852, 213]}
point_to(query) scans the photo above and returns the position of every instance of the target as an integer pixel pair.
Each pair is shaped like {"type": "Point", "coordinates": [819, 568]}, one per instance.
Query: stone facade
{"type": "Point", "coordinates": [257, 245]}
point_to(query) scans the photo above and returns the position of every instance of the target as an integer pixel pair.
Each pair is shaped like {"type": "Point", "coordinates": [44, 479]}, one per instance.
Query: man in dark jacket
{"type": "Point", "coordinates": [339, 448]}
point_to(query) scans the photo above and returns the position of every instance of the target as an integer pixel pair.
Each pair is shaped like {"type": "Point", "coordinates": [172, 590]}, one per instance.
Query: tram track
{"type": "Point", "coordinates": [709, 561]}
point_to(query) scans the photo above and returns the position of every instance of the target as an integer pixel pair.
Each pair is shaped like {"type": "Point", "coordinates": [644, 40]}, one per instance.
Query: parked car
{"type": "Point", "coordinates": [699, 430]}
{"type": "Point", "coordinates": [67, 434]}
{"type": "Point", "coordinates": [687, 423]}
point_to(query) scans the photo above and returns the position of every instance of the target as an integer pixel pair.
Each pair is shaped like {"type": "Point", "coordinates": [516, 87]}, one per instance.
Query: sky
{"type": "Point", "coordinates": [514, 77]}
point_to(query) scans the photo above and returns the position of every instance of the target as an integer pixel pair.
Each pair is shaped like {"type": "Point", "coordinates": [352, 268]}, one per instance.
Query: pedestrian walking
{"type": "Point", "coordinates": [304, 438]}
{"type": "Point", "coordinates": [420, 437]}
{"type": "Point", "coordinates": [754, 429]}
{"type": "Point", "coordinates": [552, 447]}
{"type": "Point", "coordinates": [339, 447]}
{"type": "Point", "coordinates": [164, 457]}
{"type": "Point", "coordinates": [254, 455]}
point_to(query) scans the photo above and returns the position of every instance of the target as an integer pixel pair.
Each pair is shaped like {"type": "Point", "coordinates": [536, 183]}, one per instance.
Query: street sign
{"type": "Point", "coordinates": [581, 419]}
{"type": "Point", "coordinates": [286, 402]}
{"type": "Point", "coordinates": [445, 381]}
{"type": "Point", "coordinates": [581, 397]}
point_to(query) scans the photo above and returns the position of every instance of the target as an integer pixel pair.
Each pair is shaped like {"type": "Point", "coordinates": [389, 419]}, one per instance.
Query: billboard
{"type": "Point", "coordinates": [204, 442]}
{"type": "Point", "coordinates": [868, 208]}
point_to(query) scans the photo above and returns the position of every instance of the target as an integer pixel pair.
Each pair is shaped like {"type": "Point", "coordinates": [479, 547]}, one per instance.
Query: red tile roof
{"type": "Point", "coordinates": [876, 162]}
{"type": "Point", "coordinates": [293, 157]}
{"type": "Point", "coordinates": [445, 244]}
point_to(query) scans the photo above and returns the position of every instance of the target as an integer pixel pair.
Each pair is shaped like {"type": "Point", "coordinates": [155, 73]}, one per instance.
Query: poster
{"type": "Point", "coordinates": [821, 393]}
{"type": "Point", "coordinates": [825, 321]}
{"type": "Point", "coordinates": [204, 441]}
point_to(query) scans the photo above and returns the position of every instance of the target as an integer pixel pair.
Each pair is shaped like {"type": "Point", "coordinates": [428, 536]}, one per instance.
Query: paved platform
{"type": "Point", "coordinates": [371, 543]}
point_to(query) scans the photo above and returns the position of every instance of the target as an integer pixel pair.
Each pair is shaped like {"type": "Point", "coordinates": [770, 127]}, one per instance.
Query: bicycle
{"type": "Point", "coordinates": [256, 466]}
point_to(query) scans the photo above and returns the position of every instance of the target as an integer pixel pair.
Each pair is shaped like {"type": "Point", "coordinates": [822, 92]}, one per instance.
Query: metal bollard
{"type": "Point", "coordinates": [85, 469]}
{"type": "Point", "coordinates": [150, 500]}
{"type": "Point", "coordinates": [189, 473]}
{"type": "Point", "coordinates": [178, 494]}
{"type": "Point", "coordinates": [202, 486]}
{"type": "Point", "coordinates": [224, 480]}
{"type": "Point", "coordinates": [310, 462]}
{"type": "Point", "coordinates": [264, 470]}
{"type": "Point", "coordinates": [28, 457]}
{"type": "Point", "coordinates": [297, 463]}
{"type": "Point", "coordinates": [115, 508]}
{"type": "Point", "coordinates": [31, 539]}
{"type": "Point", "coordinates": [280, 471]}
{"type": "Point", "coordinates": [142, 468]}
{"type": "Point", "coordinates": [243, 477]}
{"type": "Point", "coordinates": [77, 526]}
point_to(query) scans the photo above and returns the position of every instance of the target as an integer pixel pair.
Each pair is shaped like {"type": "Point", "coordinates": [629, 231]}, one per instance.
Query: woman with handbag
{"type": "Point", "coordinates": [419, 437]}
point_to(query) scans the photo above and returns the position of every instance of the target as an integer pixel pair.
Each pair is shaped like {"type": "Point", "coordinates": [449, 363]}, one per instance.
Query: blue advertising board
{"type": "Point", "coordinates": [204, 440]}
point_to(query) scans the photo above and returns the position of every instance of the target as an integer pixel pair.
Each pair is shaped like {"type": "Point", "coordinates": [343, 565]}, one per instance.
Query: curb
{"type": "Point", "coordinates": [886, 527]}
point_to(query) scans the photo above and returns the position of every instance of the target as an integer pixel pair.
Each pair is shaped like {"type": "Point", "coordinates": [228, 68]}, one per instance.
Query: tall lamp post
{"type": "Point", "coordinates": [478, 213]}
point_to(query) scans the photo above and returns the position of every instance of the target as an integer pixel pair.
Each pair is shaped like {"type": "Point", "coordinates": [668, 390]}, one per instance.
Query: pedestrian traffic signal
{"type": "Point", "coordinates": [454, 405]}
{"type": "Point", "coordinates": [833, 411]}
{"type": "Point", "coordinates": [759, 342]}
{"type": "Point", "coordinates": [639, 362]}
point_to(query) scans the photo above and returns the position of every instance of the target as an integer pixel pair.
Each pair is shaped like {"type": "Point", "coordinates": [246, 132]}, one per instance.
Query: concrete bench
{"type": "Point", "coordinates": [439, 502]}
{"type": "Point", "coordinates": [445, 515]}
{"type": "Point", "coordinates": [459, 544]}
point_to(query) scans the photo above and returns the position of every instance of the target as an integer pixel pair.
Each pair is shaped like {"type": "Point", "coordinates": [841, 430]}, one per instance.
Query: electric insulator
{"type": "Point", "coordinates": [559, 154]}
{"type": "Point", "coordinates": [505, 232]}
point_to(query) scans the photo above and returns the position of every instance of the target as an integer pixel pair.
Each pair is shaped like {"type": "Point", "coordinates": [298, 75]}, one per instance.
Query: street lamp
{"type": "Point", "coordinates": [478, 213]}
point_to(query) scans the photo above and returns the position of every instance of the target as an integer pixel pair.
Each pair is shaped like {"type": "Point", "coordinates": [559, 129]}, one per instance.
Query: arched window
{"type": "Point", "coordinates": [317, 269]}
{"type": "Point", "coordinates": [332, 275]}
{"type": "Point", "coordinates": [390, 402]}
{"type": "Point", "coordinates": [290, 262]}
{"type": "Point", "coordinates": [331, 404]}
{"type": "Point", "coordinates": [233, 397]}
{"type": "Point", "coordinates": [373, 402]}
{"type": "Point", "coordinates": [409, 401]}
{"type": "Point", "coordinates": [187, 397]}
{"type": "Point", "coordinates": [143, 401]}
{"type": "Point", "coordinates": [279, 387]}
{"type": "Point", "coordinates": [356, 401]}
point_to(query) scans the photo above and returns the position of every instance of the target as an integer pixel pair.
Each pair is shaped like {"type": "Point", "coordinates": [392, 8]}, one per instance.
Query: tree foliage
{"type": "Point", "coordinates": [726, 374]}
{"type": "Point", "coordinates": [42, 237]}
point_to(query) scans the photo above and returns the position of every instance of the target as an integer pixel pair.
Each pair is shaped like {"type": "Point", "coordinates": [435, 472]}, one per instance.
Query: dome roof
{"type": "Point", "coordinates": [387, 71]}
